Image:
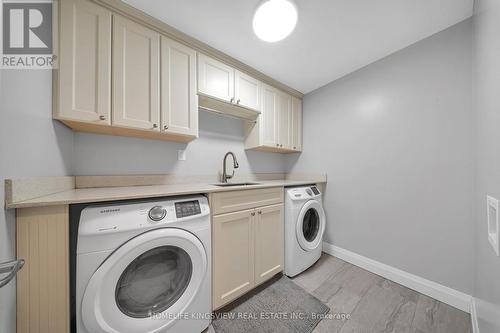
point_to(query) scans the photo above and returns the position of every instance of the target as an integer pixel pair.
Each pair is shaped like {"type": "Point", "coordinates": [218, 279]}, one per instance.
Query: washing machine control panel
{"type": "Point", "coordinates": [315, 190]}
{"type": "Point", "coordinates": [303, 193]}
{"type": "Point", "coordinates": [187, 208]}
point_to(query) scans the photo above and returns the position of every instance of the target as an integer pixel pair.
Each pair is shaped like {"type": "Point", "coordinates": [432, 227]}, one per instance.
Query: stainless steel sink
{"type": "Point", "coordinates": [235, 184]}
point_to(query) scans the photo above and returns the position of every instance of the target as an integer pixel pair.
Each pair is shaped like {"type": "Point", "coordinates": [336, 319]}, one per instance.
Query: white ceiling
{"type": "Point", "coordinates": [332, 37]}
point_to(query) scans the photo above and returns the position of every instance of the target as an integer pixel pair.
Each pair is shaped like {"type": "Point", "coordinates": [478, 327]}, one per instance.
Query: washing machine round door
{"type": "Point", "coordinates": [146, 284]}
{"type": "Point", "coordinates": [310, 225]}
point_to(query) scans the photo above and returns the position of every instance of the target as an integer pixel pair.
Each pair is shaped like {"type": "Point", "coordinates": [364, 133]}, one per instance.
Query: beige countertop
{"type": "Point", "coordinates": [101, 194]}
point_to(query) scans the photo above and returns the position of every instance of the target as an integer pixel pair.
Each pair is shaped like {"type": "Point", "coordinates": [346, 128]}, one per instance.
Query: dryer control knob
{"type": "Point", "coordinates": [157, 213]}
{"type": "Point", "coordinates": [308, 191]}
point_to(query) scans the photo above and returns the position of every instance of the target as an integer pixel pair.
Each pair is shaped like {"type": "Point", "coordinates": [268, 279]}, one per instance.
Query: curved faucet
{"type": "Point", "coordinates": [225, 176]}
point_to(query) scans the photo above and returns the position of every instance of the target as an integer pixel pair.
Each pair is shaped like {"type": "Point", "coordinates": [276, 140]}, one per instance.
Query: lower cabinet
{"type": "Point", "coordinates": [248, 249]}
{"type": "Point", "coordinates": [269, 242]}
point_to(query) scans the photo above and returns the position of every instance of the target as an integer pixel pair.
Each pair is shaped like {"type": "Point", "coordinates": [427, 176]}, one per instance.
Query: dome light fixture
{"type": "Point", "coordinates": [274, 20]}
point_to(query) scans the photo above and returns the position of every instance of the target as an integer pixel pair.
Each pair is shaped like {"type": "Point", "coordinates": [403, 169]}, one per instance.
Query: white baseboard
{"type": "Point", "coordinates": [473, 316]}
{"type": "Point", "coordinates": [432, 289]}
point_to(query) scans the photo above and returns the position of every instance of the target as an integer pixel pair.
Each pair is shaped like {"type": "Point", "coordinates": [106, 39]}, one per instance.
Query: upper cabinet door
{"type": "Point", "coordinates": [247, 91]}
{"type": "Point", "coordinates": [296, 124]}
{"type": "Point", "coordinates": [85, 63]}
{"type": "Point", "coordinates": [215, 78]}
{"type": "Point", "coordinates": [136, 75]}
{"type": "Point", "coordinates": [284, 120]}
{"type": "Point", "coordinates": [179, 107]}
{"type": "Point", "coordinates": [269, 116]}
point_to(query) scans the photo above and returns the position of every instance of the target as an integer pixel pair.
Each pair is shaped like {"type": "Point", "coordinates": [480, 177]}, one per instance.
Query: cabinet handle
{"type": "Point", "coordinates": [253, 214]}
{"type": "Point", "coordinates": [155, 126]}
{"type": "Point", "coordinates": [294, 147]}
{"type": "Point", "coordinates": [102, 118]}
{"type": "Point", "coordinates": [165, 127]}
{"type": "Point", "coordinates": [232, 100]}
{"type": "Point", "coordinates": [260, 212]}
{"type": "Point", "coordinates": [277, 145]}
{"type": "Point", "coordinates": [238, 101]}
{"type": "Point", "coordinates": [281, 146]}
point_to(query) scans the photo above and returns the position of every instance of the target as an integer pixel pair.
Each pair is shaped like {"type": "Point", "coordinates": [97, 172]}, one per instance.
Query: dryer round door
{"type": "Point", "coordinates": [310, 225]}
{"type": "Point", "coordinates": [146, 283]}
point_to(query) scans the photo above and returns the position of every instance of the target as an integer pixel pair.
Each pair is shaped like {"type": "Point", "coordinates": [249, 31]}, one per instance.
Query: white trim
{"type": "Point", "coordinates": [473, 316]}
{"type": "Point", "coordinates": [432, 289]}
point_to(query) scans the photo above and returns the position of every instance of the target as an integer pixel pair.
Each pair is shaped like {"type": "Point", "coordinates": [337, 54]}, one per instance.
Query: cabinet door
{"type": "Point", "coordinates": [178, 88]}
{"type": "Point", "coordinates": [233, 256]}
{"type": "Point", "coordinates": [269, 117]}
{"type": "Point", "coordinates": [215, 79]}
{"type": "Point", "coordinates": [269, 242]}
{"type": "Point", "coordinates": [84, 87]}
{"type": "Point", "coordinates": [136, 75]}
{"type": "Point", "coordinates": [296, 124]}
{"type": "Point", "coordinates": [284, 120]}
{"type": "Point", "coordinates": [247, 91]}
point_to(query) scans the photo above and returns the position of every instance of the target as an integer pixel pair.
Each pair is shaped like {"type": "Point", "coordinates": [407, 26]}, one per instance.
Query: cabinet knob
{"type": "Point", "coordinates": [155, 125]}
{"type": "Point", "coordinates": [102, 117]}
{"type": "Point", "coordinates": [281, 145]}
{"type": "Point", "coordinates": [165, 127]}
{"type": "Point", "coordinates": [294, 147]}
{"type": "Point", "coordinates": [232, 100]}
{"type": "Point", "coordinates": [277, 145]}
{"type": "Point", "coordinates": [260, 212]}
{"type": "Point", "coordinates": [238, 101]}
{"type": "Point", "coordinates": [253, 214]}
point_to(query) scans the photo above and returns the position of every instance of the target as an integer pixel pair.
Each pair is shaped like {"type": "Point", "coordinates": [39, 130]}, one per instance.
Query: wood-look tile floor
{"type": "Point", "coordinates": [374, 304]}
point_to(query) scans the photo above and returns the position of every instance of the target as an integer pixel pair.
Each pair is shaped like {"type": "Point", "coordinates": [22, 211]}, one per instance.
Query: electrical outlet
{"type": "Point", "coordinates": [181, 155]}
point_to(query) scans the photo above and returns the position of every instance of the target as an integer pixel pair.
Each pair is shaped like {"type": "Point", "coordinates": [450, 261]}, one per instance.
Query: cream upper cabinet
{"type": "Point", "coordinates": [136, 75]}
{"type": "Point", "coordinates": [279, 126]}
{"type": "Point", "coordinates": [215, 78]}
{"type": "Point", "coordinates": [124, 76]}
{"type": "Point", "coordinates": [233, 256]}
{"type": "Point", "coordinates": [84, 80]}
{"type": "Point", "coordinates": [269, 117]}
{"type": "Point", "coordinates": [296, 124]}
{"type": "Point", "coordinates": [247, 91]}
{"type": "Point", "coordinates": [269, 242]}
{"type": "Point", "coordinates": [223, 82]}
{"type": "Point", "coordinates": [179, 103]}
{"type": "Point", "coordinates": [284, 120]}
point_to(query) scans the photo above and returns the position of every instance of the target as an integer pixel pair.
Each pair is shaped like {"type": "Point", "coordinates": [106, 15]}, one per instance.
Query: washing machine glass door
{"type": "Point", "coordinates": [146, 284]}
{"type": "Point", "coordinates": [310, 225]}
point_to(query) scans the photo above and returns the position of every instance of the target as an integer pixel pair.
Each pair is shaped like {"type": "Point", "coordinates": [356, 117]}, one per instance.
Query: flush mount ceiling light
{"type": "Point", "coordinates": [274, 20]}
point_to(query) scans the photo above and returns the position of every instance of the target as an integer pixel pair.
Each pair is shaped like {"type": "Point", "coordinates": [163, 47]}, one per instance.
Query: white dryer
{"type": "Point", "coordinates": [144, 267]}
{"type": "Point", "coordinates": [304, 228]}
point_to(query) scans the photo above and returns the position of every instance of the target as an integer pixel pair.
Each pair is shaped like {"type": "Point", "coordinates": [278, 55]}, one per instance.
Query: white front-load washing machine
{"type": "Point", "coordinates": [304, 228]}
{"type": "Point", "coordinates": [144, 267]}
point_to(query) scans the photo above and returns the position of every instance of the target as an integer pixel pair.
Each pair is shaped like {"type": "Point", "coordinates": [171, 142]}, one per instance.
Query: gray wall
{"type": "Point", "coordinates": [108, 155]}
{"type": "Point", "coordinates": [31, 144]}
{"type": "Point", "coordinates": [487, 32]}
{"type": "Point", "coordinates": [397, 142]}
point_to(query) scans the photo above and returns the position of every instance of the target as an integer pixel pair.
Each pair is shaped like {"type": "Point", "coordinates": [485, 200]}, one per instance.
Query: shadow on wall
{"type": "Point", "coordinates": [63, 145]}
{"type": "Point", "coordinates": [111, 155]}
